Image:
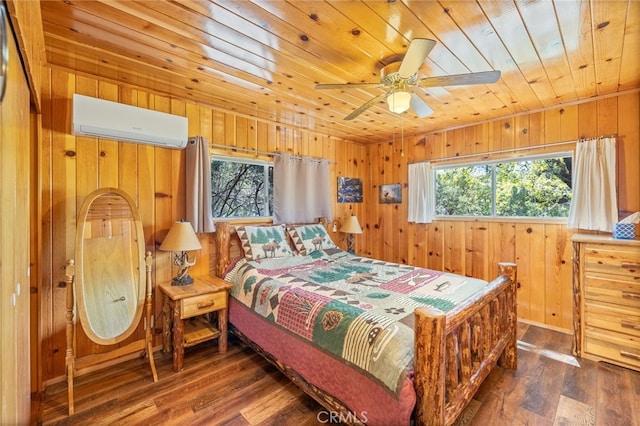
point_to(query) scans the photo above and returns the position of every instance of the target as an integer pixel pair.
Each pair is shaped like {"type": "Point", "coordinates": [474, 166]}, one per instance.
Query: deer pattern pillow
{"type": "Point", "coordinates": [309, 238]}
{"type": "Point", "coordinates": [262, 242]}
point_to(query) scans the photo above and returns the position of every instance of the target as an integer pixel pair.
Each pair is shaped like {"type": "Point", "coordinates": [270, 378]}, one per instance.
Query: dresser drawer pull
{"type": "Point", "coordinates": [206, 305]}
{"type": "Point", "coordinates": [628, 295]}
{"type": "Point", "coordinates": [630, 355]}
{"type": "Point", "coordinates": [629, 265]}
{"type": "Point", "coordinates": [629, 324]}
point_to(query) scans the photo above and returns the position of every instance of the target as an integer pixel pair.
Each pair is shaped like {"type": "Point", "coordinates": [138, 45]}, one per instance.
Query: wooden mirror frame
{"type": "Point", "coordinates": [116, 240]}
{"type": "Point", "coordinates": [117, 205]}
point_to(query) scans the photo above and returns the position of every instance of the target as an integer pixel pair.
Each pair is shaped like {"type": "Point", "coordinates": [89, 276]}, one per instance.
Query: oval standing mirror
{"type": "Point", "coordinates": [110, 281]}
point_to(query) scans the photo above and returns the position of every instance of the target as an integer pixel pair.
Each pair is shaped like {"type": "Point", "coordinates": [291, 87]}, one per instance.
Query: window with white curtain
{"type": "Point", "coordinates": [537, 186]}
{"type": "Point", "coordinates": [241, 188]}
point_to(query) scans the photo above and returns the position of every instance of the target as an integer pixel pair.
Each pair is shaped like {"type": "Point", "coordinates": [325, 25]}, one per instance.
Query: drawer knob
{"type": "Point", "coordinates": [629, 324]}
{"type": "Point", "coordinates": [629, 295]}
{"type": "Point", "coordinates": [206, 305]}
{"type": "Point", "coordinates": [630, 355]}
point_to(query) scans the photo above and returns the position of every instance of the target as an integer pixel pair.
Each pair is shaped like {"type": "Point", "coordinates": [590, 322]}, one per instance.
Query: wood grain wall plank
{"type": "Point", "coordinates": [607, 116]}
{"type": "Point", "coordinates": [435, 237]}
{"type": "Point", "coordinates": [588, 120]}
{"type": "Point", "coordinates": [521, 131]}
{"type": "Point", "coordinates": [628, 146]}
{"type": "Point", "coordinates": [554, 250]}
{"type": "Point", "coordinates": [536, 129]}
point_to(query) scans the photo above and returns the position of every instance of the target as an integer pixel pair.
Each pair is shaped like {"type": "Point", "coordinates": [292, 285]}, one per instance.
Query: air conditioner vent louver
{"type": "Point", "coordinates": [105, 119]}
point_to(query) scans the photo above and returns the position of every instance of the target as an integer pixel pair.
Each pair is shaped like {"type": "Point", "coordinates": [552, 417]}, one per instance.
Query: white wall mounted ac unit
{"type": "Point", "coordinates": [112, 120]}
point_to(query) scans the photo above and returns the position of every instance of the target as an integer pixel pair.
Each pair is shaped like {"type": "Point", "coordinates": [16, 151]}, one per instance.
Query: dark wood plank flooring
{"type": "Point", "coordinates": [550, 387]}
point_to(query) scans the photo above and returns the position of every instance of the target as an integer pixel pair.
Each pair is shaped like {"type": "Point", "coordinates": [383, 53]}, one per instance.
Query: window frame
{"type": "Point", "coordinates": [493, 163]}
{"type": "Point", "coordinates": [244, 160]}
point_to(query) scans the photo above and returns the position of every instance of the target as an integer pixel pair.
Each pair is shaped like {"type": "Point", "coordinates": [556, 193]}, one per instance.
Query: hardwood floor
{"type": "Point", "coordinates": [550, 387]}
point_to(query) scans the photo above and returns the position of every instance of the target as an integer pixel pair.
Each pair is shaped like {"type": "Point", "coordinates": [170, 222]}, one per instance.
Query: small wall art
{"type": "Point", "coordinates": [390, 194]}
{"type": "Point", "coordinates": [349, 190]}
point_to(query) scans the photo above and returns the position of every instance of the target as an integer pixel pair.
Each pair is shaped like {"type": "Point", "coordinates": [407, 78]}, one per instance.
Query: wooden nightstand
{"type": "Point", "coordinates": [185, 307]}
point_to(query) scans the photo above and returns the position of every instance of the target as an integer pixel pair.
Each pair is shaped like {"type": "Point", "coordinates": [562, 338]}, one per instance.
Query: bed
{"type": "Point", "coordinates": [372, 341]}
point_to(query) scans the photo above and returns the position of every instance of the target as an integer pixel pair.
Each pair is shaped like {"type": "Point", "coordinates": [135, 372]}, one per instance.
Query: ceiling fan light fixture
{"type": "Point", "coordinates": [399, 102]}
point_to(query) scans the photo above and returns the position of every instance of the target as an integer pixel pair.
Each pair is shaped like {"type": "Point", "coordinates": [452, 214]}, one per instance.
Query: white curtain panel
{"type": "Point", "coordinates": [198, 180]}
{"type": "Point", "coordinates": [421, 193]}
{"type": "Point", "coordinates": [593, 205]}
{"type": "Point", "coordinates": [301, 189]}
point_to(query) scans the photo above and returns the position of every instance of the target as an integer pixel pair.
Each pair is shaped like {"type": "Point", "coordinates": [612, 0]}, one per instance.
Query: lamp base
{"type": "Point", "coordinates": [350, 241]}
{"type": "Point", "coordinates": [184, 280]}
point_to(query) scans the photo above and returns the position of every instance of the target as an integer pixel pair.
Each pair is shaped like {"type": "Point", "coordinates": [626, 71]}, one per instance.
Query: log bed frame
{"type": "Point", "coordinates": [454, 352]}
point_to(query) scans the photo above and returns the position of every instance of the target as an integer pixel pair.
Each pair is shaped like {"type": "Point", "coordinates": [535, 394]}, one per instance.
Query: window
{"type": "Point", "coordinates": [241, 188]}
{"type": "Point", "coordinates": [526, 187]}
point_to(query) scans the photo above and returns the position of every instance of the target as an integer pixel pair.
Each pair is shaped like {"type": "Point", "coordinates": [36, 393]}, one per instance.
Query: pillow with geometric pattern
{"type": "Point", "coordinates": [309, 238]}
{"type": "Point", "coordinates": [260, 242]}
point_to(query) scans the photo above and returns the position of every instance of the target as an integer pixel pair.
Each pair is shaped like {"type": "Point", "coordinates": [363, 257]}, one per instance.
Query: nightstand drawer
{"type": "Point", "coordinates": [203, 304]}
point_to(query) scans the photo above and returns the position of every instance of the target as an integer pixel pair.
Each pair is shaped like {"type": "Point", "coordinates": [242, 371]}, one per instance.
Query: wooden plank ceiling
{"type": "Point", "coordinates": [262, 58]}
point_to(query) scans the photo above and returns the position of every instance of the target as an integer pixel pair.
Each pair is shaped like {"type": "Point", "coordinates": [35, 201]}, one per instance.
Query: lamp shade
{"type": "Point", "coordinates": [399, 102]}
{"type": "Point", "coordinates": [351, 226]}
{"type": "Point", "coordinates": [181, 237]}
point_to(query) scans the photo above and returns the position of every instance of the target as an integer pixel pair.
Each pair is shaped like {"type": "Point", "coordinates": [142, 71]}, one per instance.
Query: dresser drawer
{"type": "Point", "coordinates": [615, 289]}
{"type": "Point", "coordinates": [614, 318]}
{"type": "Point", "coordinates": [619, 348]}
{"type": "Point", "coordinates": [609, 259]}
{"type": "Point", "coordinates": [203, 304]}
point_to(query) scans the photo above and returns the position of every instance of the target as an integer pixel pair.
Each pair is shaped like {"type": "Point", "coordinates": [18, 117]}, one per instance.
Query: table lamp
{"type": "Point", "coordinates": [350, 227]}
{"type": "Point", "coordinates": [180, 239]}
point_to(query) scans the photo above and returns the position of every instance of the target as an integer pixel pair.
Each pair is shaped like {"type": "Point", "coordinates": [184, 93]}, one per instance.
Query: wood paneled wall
{"type": "Point", "coordinates": [542, 250]}
{"type": "Point", "coordinates": [73, 166]}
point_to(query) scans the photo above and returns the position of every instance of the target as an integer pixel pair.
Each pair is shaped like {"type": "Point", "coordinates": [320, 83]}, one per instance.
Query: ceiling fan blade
{"type": "Point", "coordinates": [415, 56]}
{"type": "Point", "coordinates": [347, 86]}
{"type": "Point", "coordinates": [419, 106]}
{"type": "Point", "coordinates": [483, 77]}
{"type": "Point", "coordinates": [366, 106]}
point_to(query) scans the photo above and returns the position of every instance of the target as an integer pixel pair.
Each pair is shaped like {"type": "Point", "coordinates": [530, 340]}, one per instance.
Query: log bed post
{"type": "Point", "coordinates": [430, 366]}
{"type": "Point", "coordinates": [222, 245]}
{"type": "Point", "coordinates": [482, 328]}
{"type": "Point", "coordinates": [509, 358]}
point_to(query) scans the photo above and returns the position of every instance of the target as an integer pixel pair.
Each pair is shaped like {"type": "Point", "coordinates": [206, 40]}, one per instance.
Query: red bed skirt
{"type": "Point", "coordinates": [365, 398]}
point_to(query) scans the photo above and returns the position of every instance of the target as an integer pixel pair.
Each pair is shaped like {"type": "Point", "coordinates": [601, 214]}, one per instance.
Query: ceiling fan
{"type": "Point", "coordinates": [399, 78]}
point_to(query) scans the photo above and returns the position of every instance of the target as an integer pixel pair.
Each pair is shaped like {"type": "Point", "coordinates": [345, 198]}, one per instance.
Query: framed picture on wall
{"type": "Point", "coordinates": [349, 190]}
{"type": "Point", "coordinates": [390, 194]}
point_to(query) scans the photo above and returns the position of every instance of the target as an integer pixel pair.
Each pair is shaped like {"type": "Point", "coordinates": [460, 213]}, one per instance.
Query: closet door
{"type": "Point", "coordinates": [15, 142]}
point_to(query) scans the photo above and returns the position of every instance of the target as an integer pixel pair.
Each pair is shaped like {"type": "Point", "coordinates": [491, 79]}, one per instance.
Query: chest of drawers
{"type": "Point", "coordinates": [607, 299]}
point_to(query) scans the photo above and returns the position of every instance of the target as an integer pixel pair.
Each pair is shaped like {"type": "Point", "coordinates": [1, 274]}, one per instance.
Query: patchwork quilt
{"type": "Point", "coordinates": [354, 308]}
